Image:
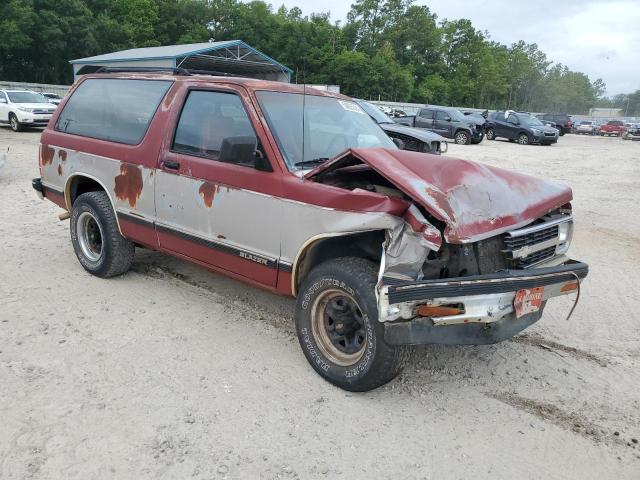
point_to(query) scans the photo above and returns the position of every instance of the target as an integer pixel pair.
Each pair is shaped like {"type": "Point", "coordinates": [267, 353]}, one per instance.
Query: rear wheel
{"type": "Point", "coordinates": [462, 138]}
{"type": "Point", "coordinates": [100, 248]}
{"type": "Point", "coordinates": [15, 125]}
{"type": "Point", "coordinates": [338, 328]}
{"type": "Point", "coordinates": [491, 134]}
{"type": "Point", "coordinates": [523, 139]}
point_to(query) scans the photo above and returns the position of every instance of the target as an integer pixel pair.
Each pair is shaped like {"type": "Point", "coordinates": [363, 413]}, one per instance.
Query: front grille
{"type": "Point", "coordinates": [40, 111]}
{"type": "Point", "coordinates": [516, 243]}
{"type": "Point", "coordinates": [535, 243]}
{"type": "Point", "coordinates": [534, 258]}
{"type": "Point", "coordinates": [410, 143]}
{"type": "Point", "coordinates": [547, 134]}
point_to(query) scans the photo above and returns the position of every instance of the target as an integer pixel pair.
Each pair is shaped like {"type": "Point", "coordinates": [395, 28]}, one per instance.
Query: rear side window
{"type": "Point", "coordinates": [117, 110]}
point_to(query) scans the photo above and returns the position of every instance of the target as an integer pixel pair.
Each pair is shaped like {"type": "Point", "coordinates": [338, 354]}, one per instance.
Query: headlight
{"type": "Point", "coordinates": [565, 232]}
{"type": "Point", "coordinates": [25, 109]}
{"type": "Point", "coordinates": [536, 131]}
{"type": "Point", "coordinates": [444, 146]}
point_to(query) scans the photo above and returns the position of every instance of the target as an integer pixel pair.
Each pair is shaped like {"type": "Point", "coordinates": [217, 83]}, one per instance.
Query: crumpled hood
{"type": "Point", "coordinates": [476, 201]}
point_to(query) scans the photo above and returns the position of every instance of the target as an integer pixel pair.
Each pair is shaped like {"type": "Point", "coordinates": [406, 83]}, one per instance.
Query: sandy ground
{"type": "Point", "coordinates": [175, 372]}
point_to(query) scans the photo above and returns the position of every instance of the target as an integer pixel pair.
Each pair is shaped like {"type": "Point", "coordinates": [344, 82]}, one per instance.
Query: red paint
{"type": "Point", "coordinates": [55, 197]}
{"type": "Point", "coordinates": [142, 234]}
{"type": "Point", "coordinates": [220, 260]}
{"type": "Point", "coordinates": [129, 183]}
{"type": "Point", "coordinates": [475, 200]}
{"type": "Point", "coordinates": [208, 192]}
{"type": "Point", "coordinates": [46, 155]}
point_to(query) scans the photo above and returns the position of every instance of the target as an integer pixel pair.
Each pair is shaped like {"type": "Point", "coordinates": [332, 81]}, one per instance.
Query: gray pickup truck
{"type": "Point", "coordinates": [448, 122]}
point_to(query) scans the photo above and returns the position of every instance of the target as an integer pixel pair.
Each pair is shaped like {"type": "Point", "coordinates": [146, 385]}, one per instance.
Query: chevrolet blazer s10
{"type": "Point", "coordinates": [300, 192]}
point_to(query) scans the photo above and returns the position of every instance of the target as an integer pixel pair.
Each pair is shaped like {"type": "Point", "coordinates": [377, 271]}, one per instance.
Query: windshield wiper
{"type": "Point", "coordinates": [312, 162]}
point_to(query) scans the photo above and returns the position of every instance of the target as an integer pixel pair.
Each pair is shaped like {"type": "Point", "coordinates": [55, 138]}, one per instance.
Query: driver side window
{"type": "Point", "coordinates": [513, 119]}
{"type": "Point", "coordinates": [215, 125]}
{"type": "Point", "coordinates": [441, 115]}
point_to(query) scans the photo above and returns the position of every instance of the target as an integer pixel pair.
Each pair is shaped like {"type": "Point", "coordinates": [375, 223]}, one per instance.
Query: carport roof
{"type": "Point", "coordinates": [236, 53]}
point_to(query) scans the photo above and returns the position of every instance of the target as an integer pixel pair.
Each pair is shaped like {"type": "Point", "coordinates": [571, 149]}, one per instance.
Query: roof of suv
{"type": "Point", "coordinates": [250, 83]}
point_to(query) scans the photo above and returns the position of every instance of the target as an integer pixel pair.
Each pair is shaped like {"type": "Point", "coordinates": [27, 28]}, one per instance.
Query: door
{"type": "Point", "coordinates": [217, 196]}
{"type": "Point", "coordinates": [424, 119]}
{"type": "Point", "coordinates": [500, 126]}
{"type": "Point", "coordinates": [442, 124]}
{"type": "Point", "coordinates": [512, 126]}
{"type": "Point", "coordinates": [4, 108]}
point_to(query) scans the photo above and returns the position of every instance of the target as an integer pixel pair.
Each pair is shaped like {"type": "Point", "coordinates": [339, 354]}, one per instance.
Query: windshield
{"type": "Point", "coordinates": [26, 97]}
{"type": "Point", "coordinates": [530, 120]}
{"type": "Point", "coordinates": [374, 112]}
{"type": "Point", "coordinates": [457, 115]}
{"type": "Point", "coordinates": [331, 126]}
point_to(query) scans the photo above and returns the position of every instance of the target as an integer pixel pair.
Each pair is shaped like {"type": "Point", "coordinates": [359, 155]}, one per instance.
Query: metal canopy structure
{"type": "Point", "coordinates": [231, 57]}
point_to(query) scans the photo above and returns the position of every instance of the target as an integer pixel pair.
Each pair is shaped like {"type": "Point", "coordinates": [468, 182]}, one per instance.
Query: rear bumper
{"type": "Point", "coordinates": [486, 301]}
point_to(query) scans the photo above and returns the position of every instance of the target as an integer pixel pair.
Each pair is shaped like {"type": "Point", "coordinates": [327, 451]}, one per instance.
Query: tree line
{"type": "Point", "coordinates": [392, 50]}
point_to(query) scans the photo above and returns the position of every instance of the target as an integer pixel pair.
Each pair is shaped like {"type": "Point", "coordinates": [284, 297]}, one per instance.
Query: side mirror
{"type": "Point", "coordinates": [448, 119]}
{"type": "Point", "coordinates": [244, 151]}
{"type": "Point", "coordinates": [399, 143]}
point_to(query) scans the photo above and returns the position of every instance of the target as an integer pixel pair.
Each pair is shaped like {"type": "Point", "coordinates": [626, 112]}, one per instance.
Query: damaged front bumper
{"type": "Point", "coordinates": [475, 309]}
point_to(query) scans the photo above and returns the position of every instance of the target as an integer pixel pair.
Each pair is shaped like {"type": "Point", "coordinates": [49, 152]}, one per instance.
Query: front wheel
{"type": "Point", "coordinates": [491, 134]}
{"type": "Point", "coordinates": [338, 328]}
{"type": "Point", "coordinates": [15, 125]}
{"type": "Point", "coordinates": [523, 139]}
{"type": "Point", "coordinates": [95, 236]}
{"type": "Point", "coordinates": [462, 138]}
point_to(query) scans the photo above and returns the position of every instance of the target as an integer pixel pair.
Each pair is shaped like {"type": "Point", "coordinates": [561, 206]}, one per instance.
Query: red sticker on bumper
{"type": "Point", "coordinates": [528, 300]}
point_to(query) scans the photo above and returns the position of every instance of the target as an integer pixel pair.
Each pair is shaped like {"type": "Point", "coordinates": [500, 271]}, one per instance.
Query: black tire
{"type": "Point", "coordinates": [523, 139]}
{"type": "Point", "coordinates": [15, 125]}
{"type": "Point", "coordinates": [100, 248]}
{"type": "Point", "coordinates": [351, 280]}
{"type": "Point", "coordinates": [561, 132]}
{"type": "Point", "coordinates": [491, 134]}
{"type": "Point", "coordinates": [462, 138]}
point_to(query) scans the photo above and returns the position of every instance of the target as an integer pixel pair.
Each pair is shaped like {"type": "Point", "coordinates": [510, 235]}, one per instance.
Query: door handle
{"type": "Point", "coordinates": [171, 164]}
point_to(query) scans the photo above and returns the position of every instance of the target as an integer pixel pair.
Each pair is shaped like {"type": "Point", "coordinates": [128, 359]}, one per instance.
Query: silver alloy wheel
{"type": "Point", "coordinates": [90, 236]}
{"type": "Point", "coordinates": [523, 139]}
{"type": "Point", "coordinates": [13, 121]}
{"type": "Point", "coordinates": [461, 138]}
{"type": "Point", "coordinates": [490, 134]}
{"type": "Point", "coordinates": [338, 327]}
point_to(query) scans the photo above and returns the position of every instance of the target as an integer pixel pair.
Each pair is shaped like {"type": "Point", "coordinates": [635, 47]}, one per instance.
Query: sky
{"type": "Point", "coordinates": [598, 37]}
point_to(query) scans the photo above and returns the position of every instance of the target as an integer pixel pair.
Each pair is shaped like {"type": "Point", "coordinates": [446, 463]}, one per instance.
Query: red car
{"type": "Point", "coordinates": [300, 192]}
{"type": "Point", "coordinates": [613, 127]}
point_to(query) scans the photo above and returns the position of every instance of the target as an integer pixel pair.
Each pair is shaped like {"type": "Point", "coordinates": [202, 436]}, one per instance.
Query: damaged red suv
{"type": "Point", "coordinates": [300, 192]}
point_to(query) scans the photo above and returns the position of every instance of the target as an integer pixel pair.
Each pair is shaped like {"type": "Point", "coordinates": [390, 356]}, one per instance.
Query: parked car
{"type": "Point", "coordinates": [612, 127]}
{"type": "Point", "coordinates": [564, 122]}
{"type": "Point", "coordinates": [521, 127]}
{"type": "Point", "coordinates": [448, 122]}
{"type": "Point", "coordinates": [587, 128]}
{"type": "Point", "coordinates": [412, 139]}
{"type": "Point", "coordinates": [53, 97]}
{"type": "Point", "coordinates": [632, 132]}
{"type": "Point", "coordinates": [383, 248]}
{"type": "Point", "coordinates": [24, 108]}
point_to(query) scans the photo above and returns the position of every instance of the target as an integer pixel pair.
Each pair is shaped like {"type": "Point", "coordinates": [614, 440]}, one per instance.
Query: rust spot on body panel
{"type": "Point", "coordinates": [129, 183]}
{"type": "Point", "coordinates": [208, 192]}
{"type": "Point", "coordinates": [46, 155]}
{"type": "Point", "coordinates": [59, 169]}
{"type": "Point", "coordinates": [63, 155]}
